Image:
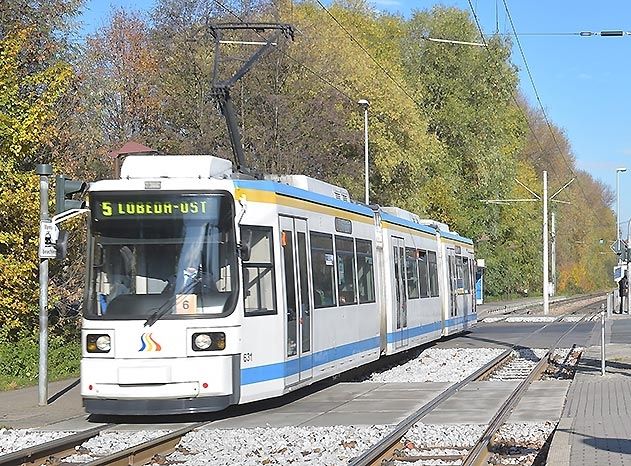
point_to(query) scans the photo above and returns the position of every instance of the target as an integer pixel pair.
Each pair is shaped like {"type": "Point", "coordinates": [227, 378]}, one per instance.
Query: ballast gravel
{"type": "Point", "coordinates": [17, 439]}
{"type": "Point", "coordinates": [519, 443]}
{"type": "Point", "coordinates": [109, 442]}
{"type": "Point", "coordinates": [423, 436]}
{"type": "Point", "coordinates": [295, 446]}
{"type": "Point", "coordinates": [438, 365]}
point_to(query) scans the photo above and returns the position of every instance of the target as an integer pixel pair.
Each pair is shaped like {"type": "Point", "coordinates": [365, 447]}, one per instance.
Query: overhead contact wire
{"type": "Point", "coordinates": [477, 22]}
{"type": "Point", "coordinates": [379, 65]}
{"type": "Point", "coordinates": [545, 116]}
{"type": "Point", "coordinates": [299, 63]}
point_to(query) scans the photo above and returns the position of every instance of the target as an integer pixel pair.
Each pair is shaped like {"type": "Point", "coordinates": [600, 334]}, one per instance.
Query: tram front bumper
{"type": "Point", "coordinates": [160, 380]}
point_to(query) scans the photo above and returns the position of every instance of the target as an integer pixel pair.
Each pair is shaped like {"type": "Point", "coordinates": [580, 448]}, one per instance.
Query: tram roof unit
{"type": "Point", "coordinates": [312, 185]}
{"type": "Point", "coordinates": [175, 166]}
{"type": "Point", "coordinates": [404, 218]}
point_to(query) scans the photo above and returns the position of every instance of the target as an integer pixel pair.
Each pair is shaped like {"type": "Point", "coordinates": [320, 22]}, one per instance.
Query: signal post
{"type": "Point", "coordinates": [52, 245]}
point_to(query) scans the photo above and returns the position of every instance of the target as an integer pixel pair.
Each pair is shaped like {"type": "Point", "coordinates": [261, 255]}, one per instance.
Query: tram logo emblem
{"type": "Point", "coordinates": [148, 343]}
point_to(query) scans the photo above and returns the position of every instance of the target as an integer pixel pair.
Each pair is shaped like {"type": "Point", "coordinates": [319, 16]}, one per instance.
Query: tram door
{"type": "Point", "coordinates": [399, 293]}
{"type": "Point", "coordinates": [453, 285]}
{"type": "Point", "coordinates": [298, 355]}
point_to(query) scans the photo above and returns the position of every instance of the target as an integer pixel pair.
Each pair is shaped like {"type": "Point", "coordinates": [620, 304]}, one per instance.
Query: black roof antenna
{"type": "Point", "coordinates": [221, 89]}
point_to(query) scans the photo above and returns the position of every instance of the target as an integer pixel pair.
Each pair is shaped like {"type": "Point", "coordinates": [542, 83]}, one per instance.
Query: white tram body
{"type": "Point", "coordinates": [205, 289]}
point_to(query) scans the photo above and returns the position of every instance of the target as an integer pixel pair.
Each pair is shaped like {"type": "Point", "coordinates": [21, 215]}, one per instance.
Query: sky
{"type": "Point", "coordinates": [582, 82]}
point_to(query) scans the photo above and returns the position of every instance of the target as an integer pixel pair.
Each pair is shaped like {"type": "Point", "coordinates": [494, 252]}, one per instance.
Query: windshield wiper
{"type": "Point", "coordinates": [165, 308]}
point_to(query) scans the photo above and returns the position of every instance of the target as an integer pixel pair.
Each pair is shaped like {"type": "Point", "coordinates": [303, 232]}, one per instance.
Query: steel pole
{"type": "Point", "coordinates": [546, 303]}
{"type": "Point", "coordinates": [626, 307]}
{"type": "Point", "coordinates": [554, 253]}
{"type": "Point", "coordinates": [602, 339]}
{"type": "Point", "coordinates": [43, 170]}
{"type": "Point", "coordinates": [618, 205]}
{"type": "Point", "coordinates": [367, 196]}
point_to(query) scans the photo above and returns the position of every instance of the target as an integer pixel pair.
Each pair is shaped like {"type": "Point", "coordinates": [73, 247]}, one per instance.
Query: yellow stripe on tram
{"type": "Point", "coordinates": [269, 197]}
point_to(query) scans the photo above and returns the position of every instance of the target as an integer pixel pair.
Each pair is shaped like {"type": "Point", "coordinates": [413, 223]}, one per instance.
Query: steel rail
{"type": "Point", "coordinates": [55, 449]}
{"type": "Point", "coordinates": [558, 301]}
{"type": "Point", "coordinates": [482, 449]}
{"type": "Point", "coordinates": [387, 443]}
{"type": "Point", "coordinates": [143, 452]}
{"type": "Point", "coordinates": [380, 450]}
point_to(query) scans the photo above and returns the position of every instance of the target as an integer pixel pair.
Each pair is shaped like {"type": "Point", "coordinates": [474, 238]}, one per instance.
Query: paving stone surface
{"type": "Point", "coordinates": [595, 428]}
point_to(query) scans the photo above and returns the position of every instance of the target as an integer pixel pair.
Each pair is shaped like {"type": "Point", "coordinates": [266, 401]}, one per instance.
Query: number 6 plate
{"type": "Point", "coordinates": [186, 304]}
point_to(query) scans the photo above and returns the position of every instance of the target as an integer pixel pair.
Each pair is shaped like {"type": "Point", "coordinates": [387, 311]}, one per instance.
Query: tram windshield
{"type": "Point", "coordinates": [155, 255]}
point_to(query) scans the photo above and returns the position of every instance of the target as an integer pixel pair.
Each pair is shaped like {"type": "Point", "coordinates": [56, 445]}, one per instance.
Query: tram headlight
{"type": "Point", "coordinates": [202, 341]}
{"type": "Point", "coordinates": [98, 343]}
{"type": "Point", "coordinates": [209, 341]}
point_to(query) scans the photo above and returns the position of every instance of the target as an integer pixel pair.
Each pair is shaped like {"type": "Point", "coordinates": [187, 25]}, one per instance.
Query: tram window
{"type": "Point", "coordinates": [423, 274]}
{"type": "Point", "coordinates": [433, 273]}
{"type": "Point", "coordinates": [459, 274]}
{"type": "Point", "coordinates": [466, 277]}
{"type": "Point", "coordinates": [343, 225]}
{"type": "Point", "coordinates": [365, 272]}
{"type": "Point", "coordinates": [322, 263]}
{"type": "Point", "coordinates": [258, 272]}
{"type": "Point", "coordinates": [411, 273]}
{"type": "Point", "coordinates": [345, 270]}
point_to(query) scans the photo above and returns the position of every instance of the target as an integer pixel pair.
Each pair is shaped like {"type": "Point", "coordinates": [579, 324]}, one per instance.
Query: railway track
{"type": "Point", "coordinates": [54, 452]}
{"type": "Point", "coordinates": [390, 449]}
{"type": "Point", "coordinates": [504, 313]}
{"type": "Point", "coordinates": [517, 362]}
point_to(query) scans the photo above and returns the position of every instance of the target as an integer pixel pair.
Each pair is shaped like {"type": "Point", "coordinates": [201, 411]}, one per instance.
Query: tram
{"type": "Point", "coordinates": [205, 289]}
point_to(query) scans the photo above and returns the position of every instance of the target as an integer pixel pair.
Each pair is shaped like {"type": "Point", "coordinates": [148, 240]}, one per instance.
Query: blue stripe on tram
{"type": "Point", "coordinates": [284, 369]}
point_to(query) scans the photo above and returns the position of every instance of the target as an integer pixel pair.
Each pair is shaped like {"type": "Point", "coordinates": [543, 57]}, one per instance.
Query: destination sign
{"type": "Point", "coordinates": [172, 207]}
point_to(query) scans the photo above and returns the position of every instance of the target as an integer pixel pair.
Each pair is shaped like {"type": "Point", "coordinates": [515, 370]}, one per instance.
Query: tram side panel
{"type": "Point", "coordinates": [424, 306]}
{"type": "Point", "coordinates": [346, 318]}
{"type": "Point", "coordinates": [412, 301]}
{"type": "Point", "coordinates": [459, 309]}
{"type": "Point", "coordinates": [281, 352]}
{"type": "Point", "coordinates": [262, 360]}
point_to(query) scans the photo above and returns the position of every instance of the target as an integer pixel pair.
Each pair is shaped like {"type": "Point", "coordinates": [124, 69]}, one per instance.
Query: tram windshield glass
{"type": "Point", "coordinates": [154, 255]}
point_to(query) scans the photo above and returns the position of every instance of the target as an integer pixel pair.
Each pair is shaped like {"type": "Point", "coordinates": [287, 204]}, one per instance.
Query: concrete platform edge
{"type": "Point", "coordinates": [559, 453]}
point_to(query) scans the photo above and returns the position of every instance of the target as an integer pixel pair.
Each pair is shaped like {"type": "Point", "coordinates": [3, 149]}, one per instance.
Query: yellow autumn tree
{"type": "Point", "coordinates": [28, 97]}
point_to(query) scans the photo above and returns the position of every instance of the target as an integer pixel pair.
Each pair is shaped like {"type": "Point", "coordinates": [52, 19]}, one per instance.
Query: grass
{"type": "Point", "coordinates": [19, 360]}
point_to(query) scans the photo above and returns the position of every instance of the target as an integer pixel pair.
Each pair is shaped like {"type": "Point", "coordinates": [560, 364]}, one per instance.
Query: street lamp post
{"type": "Point", "coordinates": [618, 171]}
{"type": "Point", "coordinates": [365, 104]}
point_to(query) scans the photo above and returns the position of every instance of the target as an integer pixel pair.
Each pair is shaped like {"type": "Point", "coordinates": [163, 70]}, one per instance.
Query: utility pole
{"type": "Point", "coordinates": [546, 296]}
{"type": "Point", "coordinates": [627, 260]}
{"type": "Point", "coordinates": [364, 104]}
{"type": "Point", "coordinates": [553, 235]}
{"type": "Point", "coordinates": [545, 199]}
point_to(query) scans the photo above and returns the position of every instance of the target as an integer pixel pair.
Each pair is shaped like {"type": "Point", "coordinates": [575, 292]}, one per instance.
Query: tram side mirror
{"type": "Point", "coordinates": [61, 246]}
{"type": "Point", "coordinates": [245, 248]}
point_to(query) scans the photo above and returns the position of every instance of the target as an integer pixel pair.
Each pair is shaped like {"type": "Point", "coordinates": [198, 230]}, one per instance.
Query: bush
{"type": "Point", "coordinates": [19, 357]}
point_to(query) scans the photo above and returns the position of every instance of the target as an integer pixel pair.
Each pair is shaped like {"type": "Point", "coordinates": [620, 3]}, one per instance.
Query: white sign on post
{"type": "Point", "coordinates": [619, 246]}
{"type": "Point", "coordinates": [48, 234]}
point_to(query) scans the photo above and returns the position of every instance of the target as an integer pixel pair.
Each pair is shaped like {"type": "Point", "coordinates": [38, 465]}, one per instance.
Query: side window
{"type": "Point", "coordinates": [322, 263]}
{"type": "Point", "coordinates": [258, 272]}
{"type": "Point", "coordinates": [423, 274]}
{"type": "Point", "coordinates": [466, 277]}
{"type": "Point", "coordinates": [433, 273]}
{"type": "Point", "coordinates": [459, 274]}
{"type": "Point", "coordinates": [345, 270]}
{"type": "Point", "coordinates": [365, 271]}
{"type": "Point", "coordinates": [412, 273]}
